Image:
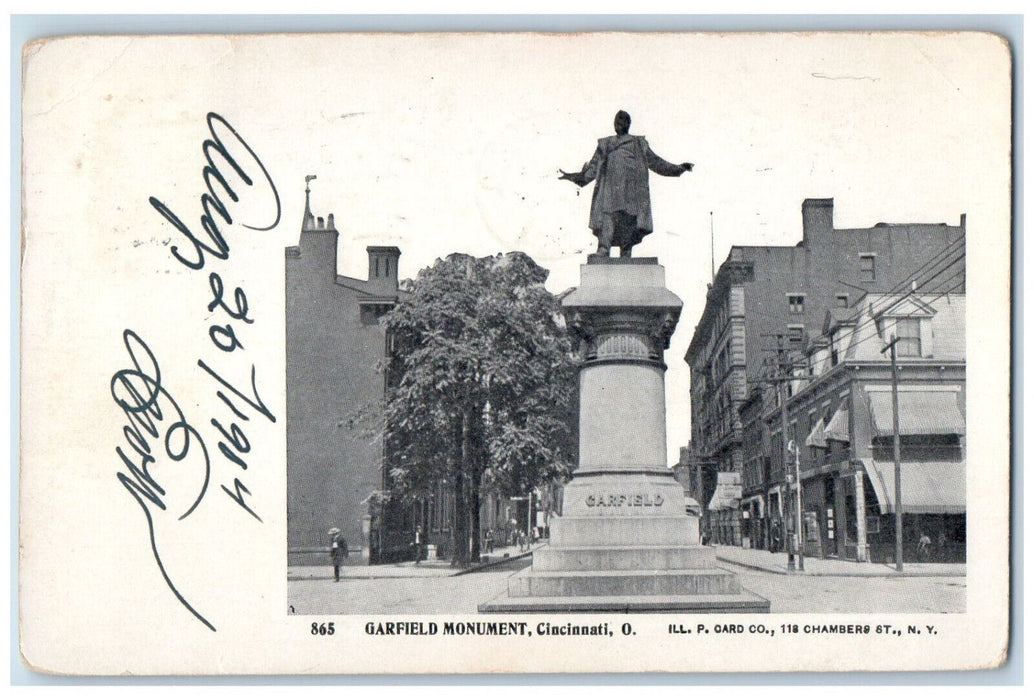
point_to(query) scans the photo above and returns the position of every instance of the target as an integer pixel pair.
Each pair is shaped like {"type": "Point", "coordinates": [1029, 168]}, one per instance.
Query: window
{"type": "Point", "coordinates": [909, 343]}
{"type": "Point", "coordinates": [868, 267]}
{"type": "Point", "coordinates": [841, 301]}
{"type": "Point", "coordinates": [795, 334]}
{"type": "Point", "coordinates": [796, 303]}
{"type": "Point", "coordinates": [370, 314]}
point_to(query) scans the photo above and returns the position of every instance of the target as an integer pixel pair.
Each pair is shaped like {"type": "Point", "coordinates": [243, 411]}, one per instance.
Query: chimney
{"type": "Point", "coordinates": [384, 269]}
{"type": "Point", "coordinates": [318, 241]}
{"type": "Point", "coordinates": [817, 215]}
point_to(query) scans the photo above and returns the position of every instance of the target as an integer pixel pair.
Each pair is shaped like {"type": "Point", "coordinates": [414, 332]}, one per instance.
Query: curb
{"type": "Point", "coordinates": [445, 572]}
{"type": "Point", "coordinates": [490, 564]}
{"type": "Point", "coordinates": [362, 578]}
{"type": "Point", "coordinates": [888, 574]}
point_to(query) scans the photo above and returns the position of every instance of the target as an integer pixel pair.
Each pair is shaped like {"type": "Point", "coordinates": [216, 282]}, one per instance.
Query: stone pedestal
{"type": "Point", "coordinates": [625, 542]}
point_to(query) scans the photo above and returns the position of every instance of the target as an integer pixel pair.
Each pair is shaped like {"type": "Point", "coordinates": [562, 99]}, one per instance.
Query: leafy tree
{"type": "Point", "coordinates": [481, 382]}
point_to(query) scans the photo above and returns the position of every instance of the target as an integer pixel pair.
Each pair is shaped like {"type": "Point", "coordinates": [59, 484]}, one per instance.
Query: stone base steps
{"type": "Point", "coordinates": [622, 583]}
{"type": "Point", "coordinates": [743, 602]}
{"type": "Point", "coordinates": [597, 558]}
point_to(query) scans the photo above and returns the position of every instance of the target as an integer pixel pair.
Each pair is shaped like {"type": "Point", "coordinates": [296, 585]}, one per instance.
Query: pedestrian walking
{"type": "Point", "coordinates": [338, 551]}
{"type": "Point", "coordinates": [512, 534]}
{"type": "Point", "coordinates": [418, 545]}
{"type": "Point", "coordinates": [924, 547]}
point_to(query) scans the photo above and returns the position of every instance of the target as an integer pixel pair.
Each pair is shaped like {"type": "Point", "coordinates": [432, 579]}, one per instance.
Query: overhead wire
{"type": "Point", "coordinates": [950, 248]}
{"type": "Point", "coordinates": [907, 287]}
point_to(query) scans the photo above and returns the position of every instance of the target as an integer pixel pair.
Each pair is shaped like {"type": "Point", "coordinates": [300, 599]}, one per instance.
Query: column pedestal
{"type": "Point", "coordinates": [624, 542]}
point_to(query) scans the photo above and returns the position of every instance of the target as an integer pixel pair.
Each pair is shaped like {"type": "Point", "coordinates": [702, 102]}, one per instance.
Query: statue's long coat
{"type": "Point", "coordinates": [619, 168]}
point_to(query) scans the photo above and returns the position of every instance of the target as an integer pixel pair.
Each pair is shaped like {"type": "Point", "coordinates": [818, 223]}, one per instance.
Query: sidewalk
{"type": "Point", "coordinates": [763, 560]}
{"type": "Point", "coordinates": [433, 568]}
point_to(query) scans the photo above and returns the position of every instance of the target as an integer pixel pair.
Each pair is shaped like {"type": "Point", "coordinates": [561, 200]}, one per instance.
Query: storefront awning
{"type": "Point", "coordinates": [817, 436]}
{"type": "Point", "coordinates": [919, 413]}
{"type": "Point", "coordinates": [926, 487]}
{"type": "Point", "coordinates": [839, 427]}
{"type": "Point", "coordinates": [726, 496]}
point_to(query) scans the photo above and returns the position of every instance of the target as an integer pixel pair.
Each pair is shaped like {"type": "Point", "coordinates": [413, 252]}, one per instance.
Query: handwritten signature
{"type": "Point", "coordinates": [238, 187]}
{"type": "Point", "coordinates": [139, 392]}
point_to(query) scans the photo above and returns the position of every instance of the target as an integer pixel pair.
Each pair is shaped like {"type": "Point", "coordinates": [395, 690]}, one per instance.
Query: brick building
{"type": "Point", "coordinates": [334, 388]}
{"type": "Point", "coordinates": [764, 298]}
{"type": "Point", "coordinates": [839, 418]}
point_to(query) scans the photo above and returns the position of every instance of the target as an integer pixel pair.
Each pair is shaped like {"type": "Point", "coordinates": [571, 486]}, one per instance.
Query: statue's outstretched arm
{"type": "Point", "coordinates": [579, 178]}
{"type": "Point", "coordinates": [663, 167]}
{"type": "Point", "coordinates": [588, 172]}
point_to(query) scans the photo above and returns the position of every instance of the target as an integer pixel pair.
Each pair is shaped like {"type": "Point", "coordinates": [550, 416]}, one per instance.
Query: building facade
{"type": "Point", "coordinates": [765, 305]}
{"type": "Point", "coordinates": [839, 433]}
{"type": "Point", "coordinates": [335, 392]}
{"type": "Point", "coordinates": [338, 468]}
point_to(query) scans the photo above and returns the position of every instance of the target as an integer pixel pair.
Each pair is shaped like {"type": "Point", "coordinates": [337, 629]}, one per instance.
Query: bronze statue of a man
{"type": "Point", "coordinates": [620, 214]}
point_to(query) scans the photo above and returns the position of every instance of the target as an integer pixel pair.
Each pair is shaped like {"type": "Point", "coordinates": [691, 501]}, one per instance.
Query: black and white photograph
{"type": "Point", "coordinates": [516, 352]}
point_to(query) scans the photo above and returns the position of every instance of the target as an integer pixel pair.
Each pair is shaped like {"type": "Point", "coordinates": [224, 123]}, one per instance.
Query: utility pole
{"type": "Point", "coordinates": [800, 505]}
{"type": "Point", "coordinates": [779, 382]}
{"type": "Point", "coordinates": [898, 535]}
{"type": "Point", "coordinates": [785, 427]}
{"type": "Point", "coordinates": [782, 378]}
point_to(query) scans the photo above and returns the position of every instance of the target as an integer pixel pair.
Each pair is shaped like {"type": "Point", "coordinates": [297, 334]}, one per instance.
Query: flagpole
{"type": "Point", "coordinates": [712, 247]}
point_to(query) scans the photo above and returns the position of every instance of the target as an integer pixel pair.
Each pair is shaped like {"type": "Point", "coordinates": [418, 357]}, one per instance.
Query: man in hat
{"type": "Point", "coordinates": [338, 551]}
{"type": "Point", "coordinates": [620, 213]}
{"type": "Point", "coordinates": [418, 545]}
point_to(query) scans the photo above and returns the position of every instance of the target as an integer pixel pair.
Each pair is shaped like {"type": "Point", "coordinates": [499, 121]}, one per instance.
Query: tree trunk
{"type": "Point", "coordinates": [475, 516]}
{"type": "Point", "coordinates": [461, 537]}
{"type": "Point", "coordinates": [459, 504]}
{"type": "Point", "coordinates": [460, 549]}
{"type": "Point", "coordinates": [474, 470]}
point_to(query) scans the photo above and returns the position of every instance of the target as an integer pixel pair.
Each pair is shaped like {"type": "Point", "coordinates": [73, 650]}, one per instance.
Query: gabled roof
{"type": "Point", "coordinates": [836, 318]}
{"type": "Point", "coordinates": [896, 306]}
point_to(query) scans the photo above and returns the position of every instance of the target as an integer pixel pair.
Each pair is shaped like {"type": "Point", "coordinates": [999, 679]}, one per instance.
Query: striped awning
{"type": "Point", "coordinates": [919, 413]}
{"type": "Point", "coordinates": [926, 487]}
{"type": "Point", "coordinates": [838, 427]}
{"type": "Point", "coordinates": [726, 496]}
{"type": "Point", "coordinates": [817, 436]}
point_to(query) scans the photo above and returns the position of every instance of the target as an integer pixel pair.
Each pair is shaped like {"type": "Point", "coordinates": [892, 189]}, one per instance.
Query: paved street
{"type": "Point", "coordinates": [855, 594]}
{"type": "Point", "coordinates": [403, 588]}
{"type": "Point", "coordinates": [776, 562]}
{"type": "Point", "coordinates": [423, 595]}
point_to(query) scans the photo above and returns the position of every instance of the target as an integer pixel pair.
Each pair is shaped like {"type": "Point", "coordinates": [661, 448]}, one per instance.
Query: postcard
{"type": "Point", "coordinates": [510, 353]}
